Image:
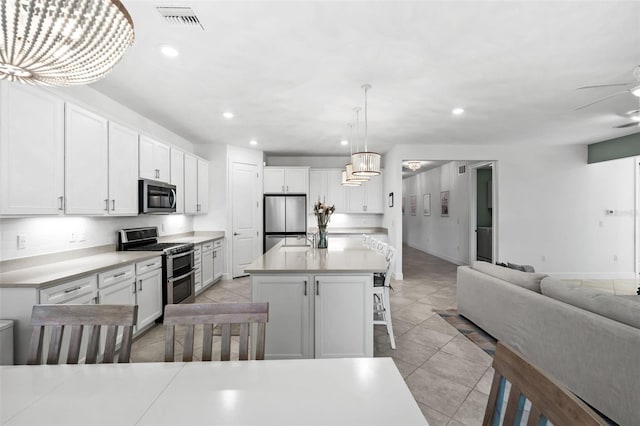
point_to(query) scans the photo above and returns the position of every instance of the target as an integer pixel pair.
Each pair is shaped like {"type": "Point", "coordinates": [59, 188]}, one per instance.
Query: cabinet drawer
{"type": "Point", "coordinates": [114, 276]}
{"type": "Point", "coordinates": [217, 243]}
{"type": "Point", "coordinates": [197, 248]}
{"type": "Point", "coordinates": [148, 265]}
{"type": "Point", "coordinates": [207, 246]}
{"type": "Point", "coordinates": [64, 293]}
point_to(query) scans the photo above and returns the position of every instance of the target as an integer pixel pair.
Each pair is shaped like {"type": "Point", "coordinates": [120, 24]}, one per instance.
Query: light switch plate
{"type": "Point", "coordinates": [22, 241]}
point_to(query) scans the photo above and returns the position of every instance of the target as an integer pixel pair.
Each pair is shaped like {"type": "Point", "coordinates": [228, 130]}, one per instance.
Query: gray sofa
{"type": "Point", "coordinates": [587, 340]}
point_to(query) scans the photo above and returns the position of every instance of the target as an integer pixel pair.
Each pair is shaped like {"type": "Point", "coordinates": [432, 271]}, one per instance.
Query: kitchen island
{"type": "Point", "coordinates": [320, 300]}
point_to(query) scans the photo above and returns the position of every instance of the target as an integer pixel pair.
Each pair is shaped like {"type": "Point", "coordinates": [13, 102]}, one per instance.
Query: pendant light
{"type": "Point", "coordinates": [349, 166]}
{"type": "Point", "coordinates": [345, 173]}
{"type": "Point", "coordinates": [62, 42]}
{"type": "Point", "coordinates": [414, 165]}
{"type": "Point", "coordinates": [366, 163]}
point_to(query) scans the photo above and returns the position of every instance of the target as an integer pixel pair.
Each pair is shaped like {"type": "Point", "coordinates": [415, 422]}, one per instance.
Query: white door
{"type": "Point", "coordinates": [31, 151]}
{"type": "Point", "coordinates": [203, 186]}
{"type": "Point", "coordinates": [288, 332]}
{"type": "Point", "coordinates": [343, 316]}
{"type": "Point", "coordinates": [149, 297]}
{"type": "Point", "coordinates": [190, 184]}
{"type": "Point", "coordinates": [296, 180]}
{"type": "Point", "coordinates": [86, 165]}
{"type": "Point", "coordinates": [245, 216]}
{"type": "Point", "coordinates": [123, 170]}
{"type": "Point", "coordinates": [177, 177]}
{"type": "Point", "coordinates": [273, 180]}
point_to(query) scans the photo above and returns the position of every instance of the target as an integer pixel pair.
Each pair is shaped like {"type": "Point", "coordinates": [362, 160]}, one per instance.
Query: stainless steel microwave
{"type": "Point", "coordinates": [156, 197]}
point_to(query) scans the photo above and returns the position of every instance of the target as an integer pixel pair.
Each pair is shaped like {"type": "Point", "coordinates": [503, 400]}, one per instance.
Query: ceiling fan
{"type": "Point", "coordinates": [634, 90]}
{"type": "Point", "coordinates": [634, 115]}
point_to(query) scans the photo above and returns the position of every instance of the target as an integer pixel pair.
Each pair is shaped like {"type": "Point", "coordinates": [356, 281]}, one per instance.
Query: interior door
{"type": "Point", "coordinates": [244, 216]}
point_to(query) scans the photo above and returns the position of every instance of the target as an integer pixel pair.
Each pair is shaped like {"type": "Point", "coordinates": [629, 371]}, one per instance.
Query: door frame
{"type": "Point", "coordinates": [637, 217]}
{"type": "Point", "coordinates": [473, 238]}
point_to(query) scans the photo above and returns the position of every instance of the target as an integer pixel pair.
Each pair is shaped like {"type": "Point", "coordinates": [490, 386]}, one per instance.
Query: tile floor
{"type": "Point", "coordinates": [448, 375]}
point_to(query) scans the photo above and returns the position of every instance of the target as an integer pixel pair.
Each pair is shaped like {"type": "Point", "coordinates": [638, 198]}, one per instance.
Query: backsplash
{"type": "Point", "coordinates": [45, 235]}
{"type": "Point", "coordinates": [348, 220]}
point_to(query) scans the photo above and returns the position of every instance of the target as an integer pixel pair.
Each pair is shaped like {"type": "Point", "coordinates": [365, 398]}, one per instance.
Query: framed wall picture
{"type": "Point", "coordinates": [426, 204]}
{"type": "Point", "coordinates": [444, 203]}
{"type": "Point", "coordinates": [413, 204]}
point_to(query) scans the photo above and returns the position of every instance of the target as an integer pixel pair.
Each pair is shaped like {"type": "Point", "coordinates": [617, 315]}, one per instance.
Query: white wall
{"type": "Point", "coordinates": [444, 237]}
{"type": "Point", "coordinates": [551, 205]}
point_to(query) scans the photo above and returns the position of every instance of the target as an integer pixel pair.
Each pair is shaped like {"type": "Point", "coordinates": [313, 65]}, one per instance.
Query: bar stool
{"type": "Point", "coordinates": [381, 300]}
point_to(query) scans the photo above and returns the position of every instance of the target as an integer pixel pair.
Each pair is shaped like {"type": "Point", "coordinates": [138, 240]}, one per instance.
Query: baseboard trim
{"type": "Point", "coordinates": [593, 275]}
{"type": "Point", "coordinates": [442, 256]}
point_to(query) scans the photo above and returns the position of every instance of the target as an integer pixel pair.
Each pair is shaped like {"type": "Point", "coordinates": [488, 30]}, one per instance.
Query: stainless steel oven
{"type": "Point", "coordinates": [180, 282]}
{"type": "Point", "coordinates": [156, 197]}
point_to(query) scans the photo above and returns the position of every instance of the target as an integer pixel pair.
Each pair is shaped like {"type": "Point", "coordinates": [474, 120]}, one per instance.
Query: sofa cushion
{"type": "Point", "coordinates": [624, 309]}
{"type": "Point", "coordinates": [528, 280]}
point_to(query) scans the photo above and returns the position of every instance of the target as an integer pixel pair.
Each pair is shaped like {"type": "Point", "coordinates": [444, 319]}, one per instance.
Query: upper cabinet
{"type": "Point", "coordinates": [196, 182]}
{"type": "Point", "coordinates": [367, 198]}
{"type": "Point", "coordinates": [177, 177]}
{"type": "Point", "coordinates": [123, 175]}
{"type": "Point", "coordinates": [86, 164]}
{"type": "Point", "coordinates": [31, 151]}
{"type": "Point", "coordinates": [325, 186]}
{"type": "Point", "coordinates": [286, 180]}
{"type": "Point", "coordinates": [154, 160]}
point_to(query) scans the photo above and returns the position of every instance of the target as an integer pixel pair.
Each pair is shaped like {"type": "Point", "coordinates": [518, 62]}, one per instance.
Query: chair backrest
{"type": "Point", "coordinates": [208, 315]}
{"type": "Point", "coordinates": [391, 258]}
{"type": "Point", "coordinates": [58, 317]}
{"type": "Point", "coordinates": [366, 240]}
{"type": "Point", "coordinates": [550, 401]}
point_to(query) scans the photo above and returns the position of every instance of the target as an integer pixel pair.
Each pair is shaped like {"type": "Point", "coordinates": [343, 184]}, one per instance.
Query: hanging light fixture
{"type": "Point", "coordinates": [414, 165]}
{"type": "Point", "coordinates": [349, 166]}
{"type": "Point", "coordinates": [345, 173]}
{"type": "Point", "coordinates": [62, 42]}
{"type": "Point", "coordinates": [366, 163]}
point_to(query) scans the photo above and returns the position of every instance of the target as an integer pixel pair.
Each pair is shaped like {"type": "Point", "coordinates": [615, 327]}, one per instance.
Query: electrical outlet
{"type": "Point", "coordinates": [73, 237]}
{"type": "Point", "coordinates": [22, 241]}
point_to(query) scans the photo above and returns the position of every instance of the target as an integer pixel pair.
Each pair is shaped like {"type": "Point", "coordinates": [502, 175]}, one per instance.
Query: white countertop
{"type": "Point", "coordinates": [331, 230]}
{"type": "Point", "coordinates": [344, 255]}
{"type": "Point", "coordinates": [49, 274]}
{"type": "Point", "coordinates": [353, 391]}
{"type": "Point", "coordinates": [197, 238]}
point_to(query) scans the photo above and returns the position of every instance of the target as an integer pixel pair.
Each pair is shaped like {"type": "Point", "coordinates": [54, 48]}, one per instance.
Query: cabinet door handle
{"type": "Point", "coordinates": [140, 283]}
{"type": "Point", "coordinates": [106, 204]}
{"type": "Point", "coordinates": [69, 290]}
{"type": "Point", "coordinates": [282, 188]}
{"type": "Point", "coordinates": [113, 204]}
{"type": "Point", "coordinates": [287, 188]}
{"type": "Point", "coordinates": [305, 287]}
{"type": "Point", "coordinates": [150, 264]}
{"type": "Point", "coordinates": [134, 287]}
{"type": "Point", "coordinates": [119, 275]}
{"type": "Point", "coordinates": [317, 288]}
{"type": "Point", "coordinates": [61, 199]}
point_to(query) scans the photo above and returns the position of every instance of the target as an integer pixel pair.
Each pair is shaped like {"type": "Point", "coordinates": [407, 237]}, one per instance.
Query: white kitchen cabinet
{"type": "Point", "coordinates": [149, 296]}
{"type": "Point", "coordinates": [218, 259]}
{"type": "Point", "coordinates": [325, 185]}
{"type": "Point", "coordinates": [207, 264]}
{"type": "Point", "coordinates": [31, 151]}
{"type": "Point", "coordinates": [321, 316]}
{"type": "Point", "coordinates": [196, 182]}
{"type": "Point", "coordinates": [197, 265]}
{"type": "Point", "coordinates": [123, 175]}
{"type": "Point", "coordinates": [177, 177]}
{"type": "Point", "coordinates": [343, 316]}
{"type": "Point", "coordinates": [289, 330]}
{"type": "Point", "coordinates": [286, 180]}
{"type": "Point", "coordinates": [367, 198]}
{"type": "Point", "coordinates": [154, 160]}
{"type": "Point", "coordinates": [86, 162]}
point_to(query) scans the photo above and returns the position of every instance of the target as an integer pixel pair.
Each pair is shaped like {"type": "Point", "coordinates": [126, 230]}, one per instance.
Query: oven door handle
{"type": "Point", "coordinates": [191, 272]}
{"type": "Point", "coordinates": [175, 256]}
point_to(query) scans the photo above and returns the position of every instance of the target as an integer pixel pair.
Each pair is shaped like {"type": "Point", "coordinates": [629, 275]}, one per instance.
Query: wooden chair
{"type": "Point", "coordinates": [381, 296]}
{"type": "Point", "coordinates": [57, 317]}
{"type": "Point", "coordinates": [209, 314]}
{"type": "Point", "coordinates": [550, 401]}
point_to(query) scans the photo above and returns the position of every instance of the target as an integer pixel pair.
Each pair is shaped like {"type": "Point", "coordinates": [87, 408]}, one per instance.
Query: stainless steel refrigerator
{"type": "Point", "coordinates": [284, 216]}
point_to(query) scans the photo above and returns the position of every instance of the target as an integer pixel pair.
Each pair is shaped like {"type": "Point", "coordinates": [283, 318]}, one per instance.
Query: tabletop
{"type": "Point", "coordinates": [350, 391]}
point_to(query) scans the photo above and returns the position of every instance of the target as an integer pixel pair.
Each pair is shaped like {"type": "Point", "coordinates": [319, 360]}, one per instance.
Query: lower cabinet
{"type": "Point", "coordinates": [149, 297]}
{"type": "Point", "coordinates": [207, 264]}
{"type": "Point", "coordinates": [316, 316]}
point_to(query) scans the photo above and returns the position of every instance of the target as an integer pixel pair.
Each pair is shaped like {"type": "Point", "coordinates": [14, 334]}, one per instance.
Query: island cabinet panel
{"type": "Point", "coordinates": [288, 332]}
{"type": "Point", "coordinates": [343, 316]}
{"type": "Point", "coordinates": [316, 316]}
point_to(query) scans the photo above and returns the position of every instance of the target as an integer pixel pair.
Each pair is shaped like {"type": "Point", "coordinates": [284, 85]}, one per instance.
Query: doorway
{"type": "Point", "coordinates": [483, 213]}
{"type": "Point", "coordinates": [245, 216]}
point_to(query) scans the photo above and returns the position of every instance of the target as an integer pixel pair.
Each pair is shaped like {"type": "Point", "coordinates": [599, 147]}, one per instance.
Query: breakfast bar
{"type": "Point", "coordinates": [320, 300]}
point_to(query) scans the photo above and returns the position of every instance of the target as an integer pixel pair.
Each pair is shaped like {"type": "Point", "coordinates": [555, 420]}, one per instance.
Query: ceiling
{"type": "Point", "coordinates": [291, 72]}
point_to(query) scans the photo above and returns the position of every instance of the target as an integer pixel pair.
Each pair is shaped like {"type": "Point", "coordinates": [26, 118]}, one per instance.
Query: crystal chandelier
{"type": "Point", "coordinates": [414, 165]}
{"type": "Point", "coordinates": [366, 163]}
{"type": "Point", "coordinates": [62, 42]}
{"type": "Point", "coordinates": [347, 177]}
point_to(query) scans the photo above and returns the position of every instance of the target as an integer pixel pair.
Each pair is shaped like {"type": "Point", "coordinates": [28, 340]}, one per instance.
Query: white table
{"type": "Point", "coordinates": [353, 391]}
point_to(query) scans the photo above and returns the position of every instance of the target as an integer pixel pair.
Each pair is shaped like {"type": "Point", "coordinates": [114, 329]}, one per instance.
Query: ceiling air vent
{"type": "Point", "coordinates": [462, 169]}
{"type": "Point", "coordinates": [184, 16]}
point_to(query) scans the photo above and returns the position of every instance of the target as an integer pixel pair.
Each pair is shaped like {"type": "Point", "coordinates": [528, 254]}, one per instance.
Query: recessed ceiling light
{"type": "Point", "coordinates": [169, 51]}
{"type": "Point", "coordinates": [344, 142]}
{"type": "Point", "coordinates": [228, 115]}
{"type": "Point", "coordinates": [253, 142]}
{"type": "Point", "coordinates": [457, 111]}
